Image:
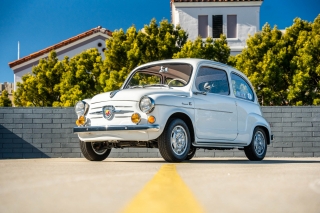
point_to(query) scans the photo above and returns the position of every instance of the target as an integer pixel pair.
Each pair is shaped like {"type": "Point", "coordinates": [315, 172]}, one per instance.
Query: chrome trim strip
{"type": "Point", "coordinates": [180, 106]}
{"type": "Point", "coordinates": [96, 113]}
{"type": "Point", "coordinates": [213, 110]}
{"type": "Point", "coordinates": [153, 128]}
{"type": "Point", "coordinates": [191, 107]}
{"type": "Point", "coordinates": [218, 144]}
{"type": "Point", "coordinates": [123, 106]}
{"type": "Point", "coordinates": [114, 111]}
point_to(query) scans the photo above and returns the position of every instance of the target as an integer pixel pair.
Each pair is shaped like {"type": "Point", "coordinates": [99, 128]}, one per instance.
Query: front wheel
{"type": "Point", "coordinates": [174, 142]}
{"type": "Point", "coordinates": [191, 153]}
{"type": "Point", "coordinates": [257, 149]}
{"type": "Point", "coordinates": [94, 151]}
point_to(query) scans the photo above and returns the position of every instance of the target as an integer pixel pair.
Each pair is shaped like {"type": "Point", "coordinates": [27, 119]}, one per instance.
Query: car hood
{"type": "Point", "coordinates": [135, 94]}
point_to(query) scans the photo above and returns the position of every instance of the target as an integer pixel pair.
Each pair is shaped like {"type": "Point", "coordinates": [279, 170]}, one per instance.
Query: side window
{"type": "Point", "coordinates": [241, 88]}
{"type": "Point", "coordinates": [212, 80]}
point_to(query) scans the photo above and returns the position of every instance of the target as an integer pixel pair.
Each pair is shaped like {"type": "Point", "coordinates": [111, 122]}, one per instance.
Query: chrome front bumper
{"type": "Point", "coordinates": [87, 129]}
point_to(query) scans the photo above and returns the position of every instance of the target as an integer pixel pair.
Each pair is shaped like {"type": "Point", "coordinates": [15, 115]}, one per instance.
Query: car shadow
{"type": "Point", "coordinates": [245, 161]}
{"type": "Point", "coordinates": [220, 161]}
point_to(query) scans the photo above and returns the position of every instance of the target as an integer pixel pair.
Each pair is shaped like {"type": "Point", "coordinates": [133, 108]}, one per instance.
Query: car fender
{"type": "Point", "coordinates": [166, 106]}
{"type": "Point", "coordinates": [254, 120]}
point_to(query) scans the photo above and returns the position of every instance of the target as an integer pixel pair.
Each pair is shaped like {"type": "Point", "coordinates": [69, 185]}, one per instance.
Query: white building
{"type": "Point", "coordinates": [92, 38]}
{"type": "Point", "coordinates": [8, 87]}
{"type": "Point", "coordinates": [209, 18]}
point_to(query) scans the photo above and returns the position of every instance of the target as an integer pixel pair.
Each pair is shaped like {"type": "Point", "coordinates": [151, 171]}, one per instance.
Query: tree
{"type": "Point", "coordinates": [80, 78]}
{"type": "Point", "coordinates": [4, 99]}
{"type": "Point", "coordinates": [39, 88]}
{"type": "Point", "coordinates": [306, 79]}
{"type": "Point", "coordinates": [277, 64]}
{"type": "Point", "coordinates": [127, 50]}
{"type": "Point", "coordinates": [217, 50]}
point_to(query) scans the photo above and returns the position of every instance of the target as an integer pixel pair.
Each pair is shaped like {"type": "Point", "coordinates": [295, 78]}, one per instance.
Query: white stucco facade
{"type": "Point", "coordinates": [248, 17]}
{"type": "Point", "coordinates": [96, 40]}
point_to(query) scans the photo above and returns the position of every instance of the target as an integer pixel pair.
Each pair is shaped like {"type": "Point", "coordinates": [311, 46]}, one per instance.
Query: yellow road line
{"type": "Point", "coordinates": [166, 192]}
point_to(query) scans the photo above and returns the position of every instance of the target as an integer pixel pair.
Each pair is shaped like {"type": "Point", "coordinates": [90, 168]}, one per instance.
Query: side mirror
{"type": "Point", "coordinates": [207, 87]}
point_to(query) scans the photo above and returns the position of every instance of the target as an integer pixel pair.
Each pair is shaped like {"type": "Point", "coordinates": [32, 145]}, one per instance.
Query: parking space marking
{"type": "Point", "coordinates": [165, 192]}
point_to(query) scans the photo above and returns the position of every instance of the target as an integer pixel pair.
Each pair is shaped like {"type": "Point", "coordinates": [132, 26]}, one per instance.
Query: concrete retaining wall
{"type": "Point", "coordinates": [47, 132]}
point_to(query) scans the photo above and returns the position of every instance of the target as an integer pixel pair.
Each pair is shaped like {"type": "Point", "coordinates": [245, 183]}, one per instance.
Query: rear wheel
{"type": "Point", "coordinates": [257, 149]}
{"type": "Point", "coordinates": [94, 151]}
{"type": "Point", "coordinates": [174, 142]}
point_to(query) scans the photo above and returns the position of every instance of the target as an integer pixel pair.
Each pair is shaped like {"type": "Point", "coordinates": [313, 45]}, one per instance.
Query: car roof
{"type": "Point", "coordinates": [193, 61]}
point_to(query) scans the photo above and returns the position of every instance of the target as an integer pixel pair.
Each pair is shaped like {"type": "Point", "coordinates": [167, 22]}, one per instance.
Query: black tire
{"type": "Point", "coordinates": [94, 154]}
{"type": "Point", "coordinates": [169, 150]}
{"type": "Point", "coordinates": [257, 149]}
{"type": "Point", "coordinates": [191, 153]}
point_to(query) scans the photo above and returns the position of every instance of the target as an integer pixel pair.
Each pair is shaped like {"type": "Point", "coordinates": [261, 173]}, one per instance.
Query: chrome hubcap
{"type": "Point", "coordinates": [179, 140]}
{"type": "Point", "coordinates": [259, 143]}
{"type": "Point", "coordinates": [98, 148]}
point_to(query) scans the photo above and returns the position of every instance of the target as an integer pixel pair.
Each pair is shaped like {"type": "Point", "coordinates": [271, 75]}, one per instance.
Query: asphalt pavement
{"type": "Point", "coordinates": [153, 185]}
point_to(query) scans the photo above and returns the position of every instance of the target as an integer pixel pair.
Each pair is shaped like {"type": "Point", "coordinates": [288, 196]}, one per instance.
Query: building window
{"type": "Point", "coordinates": [232, 26]}
{"type": "Point", "coordinates": [203, 26]}
{"type": "Point", "coordinates": [217, 23]}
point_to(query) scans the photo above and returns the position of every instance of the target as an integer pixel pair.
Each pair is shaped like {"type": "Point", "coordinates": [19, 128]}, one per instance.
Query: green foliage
{"type": "Point", "coordinates": [39, 88]}
{"type": "Point", "coordinates": [61, 83]}
{"type": "Point", "coordinates": [80, 78]}
{"type": "Point", "coordinates": [126, 51]}
{"type": "Point", "coordinates": [4, 99]}
{"type": "Point", "coordinates": [306, 79]}
{"type": "Point", "coordinates": [283, 66]}
{"type": "Point", "coordinates": [217, 50]}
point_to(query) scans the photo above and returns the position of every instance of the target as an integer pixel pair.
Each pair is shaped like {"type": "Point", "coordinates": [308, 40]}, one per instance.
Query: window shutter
{"type": "Point", "coordinates": [203, 26]}
{"type": "Point", "coordinates": [232, 26]}
{"type": "Point", "coordinates": [217, 23]}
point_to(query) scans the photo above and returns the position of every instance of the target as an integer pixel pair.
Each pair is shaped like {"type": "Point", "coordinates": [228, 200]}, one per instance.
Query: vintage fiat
{"type": "Point", "coordinates": [177, 106]}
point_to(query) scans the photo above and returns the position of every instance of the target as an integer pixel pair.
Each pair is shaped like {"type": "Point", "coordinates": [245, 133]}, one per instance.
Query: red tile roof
{"type": "Point", "coordinates": [60, 44]}
{"type": "Point", "coordinates": [211, 0]}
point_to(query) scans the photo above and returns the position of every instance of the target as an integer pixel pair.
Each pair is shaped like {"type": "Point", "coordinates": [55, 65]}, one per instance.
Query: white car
{"type": "Point", "coordinates": [178, 106]}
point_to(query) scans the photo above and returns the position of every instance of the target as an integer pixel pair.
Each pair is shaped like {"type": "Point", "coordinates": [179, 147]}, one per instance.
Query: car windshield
{"type": "Point", "coordinates": [161, 75]}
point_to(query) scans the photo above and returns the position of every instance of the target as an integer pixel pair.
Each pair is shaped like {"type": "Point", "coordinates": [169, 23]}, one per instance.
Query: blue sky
{"type": "Point", "coordinates": [38, 24]}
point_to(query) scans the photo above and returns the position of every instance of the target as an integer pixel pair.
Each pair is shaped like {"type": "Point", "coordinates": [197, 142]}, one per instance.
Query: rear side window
{"type": "Point", "coordinates": [241, 88]}
{"type": "Point", "coordinates": [212, 80]}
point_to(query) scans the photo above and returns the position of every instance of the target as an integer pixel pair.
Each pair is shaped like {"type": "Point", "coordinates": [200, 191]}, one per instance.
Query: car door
{"type": "Point", "coordinates": [215, 109]}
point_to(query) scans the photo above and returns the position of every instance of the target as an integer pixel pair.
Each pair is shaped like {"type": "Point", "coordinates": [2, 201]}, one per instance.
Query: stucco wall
{"type": "Point", "coordinates": [47, 132]}
{"type": "Point", "coordinates": [247, 19]}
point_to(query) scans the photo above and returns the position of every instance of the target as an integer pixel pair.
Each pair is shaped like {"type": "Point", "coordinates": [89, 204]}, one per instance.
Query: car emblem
{"type": "Point", "coordinates": [108, 112]}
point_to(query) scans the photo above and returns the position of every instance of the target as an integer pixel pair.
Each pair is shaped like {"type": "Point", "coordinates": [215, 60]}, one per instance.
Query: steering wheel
{"type": "Point", "coordinates": [177, 79]}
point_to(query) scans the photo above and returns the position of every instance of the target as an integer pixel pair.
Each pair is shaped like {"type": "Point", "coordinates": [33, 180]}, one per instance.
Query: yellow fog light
{"type": "Point", "coordinates": [81, 121]}
{"type": "Point", "coordinates": [151, 119]}
{"type": "Point", "coordinates": [135, 118]}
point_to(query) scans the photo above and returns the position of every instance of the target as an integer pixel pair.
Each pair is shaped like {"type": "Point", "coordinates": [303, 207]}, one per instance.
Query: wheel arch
{"type": "Point", "coordinates": [186, 119]}
{"type": "Point", "coordinates": [265, 129]}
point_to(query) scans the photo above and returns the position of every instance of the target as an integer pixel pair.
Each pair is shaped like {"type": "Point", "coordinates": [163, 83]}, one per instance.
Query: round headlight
{"type": "Point", "coordinates": [146, 104]}
{"type": "Point", "coordinates": [81, 108]}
